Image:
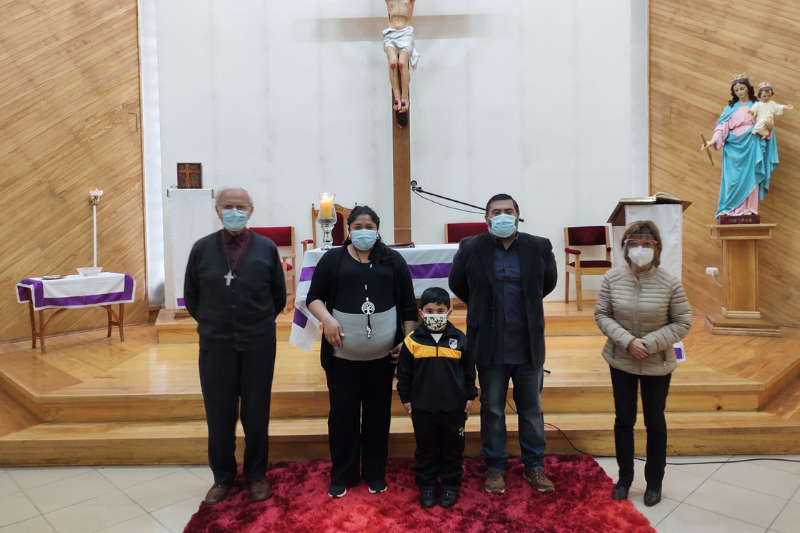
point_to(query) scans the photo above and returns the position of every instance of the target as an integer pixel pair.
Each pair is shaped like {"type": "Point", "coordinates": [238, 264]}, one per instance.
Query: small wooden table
{"type": "Point", "coordinates": [70, 292]}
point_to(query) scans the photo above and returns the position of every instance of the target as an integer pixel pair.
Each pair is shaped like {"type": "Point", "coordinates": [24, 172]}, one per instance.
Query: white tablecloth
{"type": "Point", "coordinates": [429, 265]}
{"type": "Point", "coordinates": [78, 291]}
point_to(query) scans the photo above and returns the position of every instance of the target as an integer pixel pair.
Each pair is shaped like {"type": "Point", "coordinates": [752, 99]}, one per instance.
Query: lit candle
{"type": "Point", "coordinates": [96, 192]}
{"type": "Point", "coordinates": [326, 211]}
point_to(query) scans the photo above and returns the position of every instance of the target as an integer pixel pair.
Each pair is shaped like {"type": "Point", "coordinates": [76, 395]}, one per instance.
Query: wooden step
{"type": "Point", "coordinates": [560, 319]}
{"type": "Point", "coordinates": [94, 400]}
{"type": "Point", "coordinates": [162, 384]}
{"type": "Point", "coordinates": [306, 438]}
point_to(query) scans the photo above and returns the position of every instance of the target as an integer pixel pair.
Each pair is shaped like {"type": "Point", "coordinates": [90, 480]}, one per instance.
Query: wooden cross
{"type": "Point", "coordinates": [190, 176]}
{"type": "Point", "coordinates": [367, 29]}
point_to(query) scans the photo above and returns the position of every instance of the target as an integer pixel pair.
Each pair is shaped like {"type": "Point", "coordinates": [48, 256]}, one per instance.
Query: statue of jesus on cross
{"type": "Point", "coordinates": [398, 42]}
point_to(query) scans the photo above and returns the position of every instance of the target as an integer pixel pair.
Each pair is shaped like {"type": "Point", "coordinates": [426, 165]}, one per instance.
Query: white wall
{"type": "Point", "coordinates": [537, 99]}
{"type": "Point", "coordinates": [151, 139]}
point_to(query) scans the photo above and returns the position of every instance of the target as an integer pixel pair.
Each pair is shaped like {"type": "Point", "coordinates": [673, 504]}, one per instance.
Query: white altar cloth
{"type": "Point", "coordinates": [78, 291]}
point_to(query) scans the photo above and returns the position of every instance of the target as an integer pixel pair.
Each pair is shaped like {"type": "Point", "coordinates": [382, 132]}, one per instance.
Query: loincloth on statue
{"type": "Point", "coordinates": [402, 41]}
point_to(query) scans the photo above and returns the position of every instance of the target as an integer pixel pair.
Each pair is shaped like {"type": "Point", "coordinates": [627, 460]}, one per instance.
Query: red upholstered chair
{"type": "Point", "coordinates": [283, 237]}
{"type": "Point", "coordinates": [339, 230]}
{"type": "Point", "coordinates": [584, 236]}
{"type": "Point", "coordinates": [454, 232]}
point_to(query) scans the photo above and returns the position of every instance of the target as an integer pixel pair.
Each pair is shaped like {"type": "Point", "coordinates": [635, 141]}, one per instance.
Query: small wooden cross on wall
{"type": "Point", "coordinates": [190, 176]}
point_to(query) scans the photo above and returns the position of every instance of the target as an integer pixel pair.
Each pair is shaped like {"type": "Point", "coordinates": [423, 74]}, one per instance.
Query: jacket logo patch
{"type": "Point", "coordinates": [453, 343]}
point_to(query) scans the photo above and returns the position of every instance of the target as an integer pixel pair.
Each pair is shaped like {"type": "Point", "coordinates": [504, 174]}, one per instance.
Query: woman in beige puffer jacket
{"type": "Point", "coordinates": [643, 311]}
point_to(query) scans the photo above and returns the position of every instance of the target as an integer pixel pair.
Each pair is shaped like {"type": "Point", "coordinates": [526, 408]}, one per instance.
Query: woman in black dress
{"type": "Point", "coordinates": [363, 296]}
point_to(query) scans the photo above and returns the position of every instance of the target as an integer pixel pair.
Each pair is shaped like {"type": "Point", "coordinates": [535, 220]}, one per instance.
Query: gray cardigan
{"type": "Point", "coordinates": [651, 306]}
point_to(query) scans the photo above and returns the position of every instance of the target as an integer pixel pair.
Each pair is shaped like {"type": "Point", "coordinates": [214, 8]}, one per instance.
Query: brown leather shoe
{"type": "Point", "coordinates": [259, 490]}
{"type": "Point", "coordinates": [217, 493]}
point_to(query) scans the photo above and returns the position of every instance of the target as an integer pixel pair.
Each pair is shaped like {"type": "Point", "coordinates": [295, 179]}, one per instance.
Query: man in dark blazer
{"type": "Point", "coordinates": [503, 276]}
{"type": "Point", "coordinates": [234, 288]}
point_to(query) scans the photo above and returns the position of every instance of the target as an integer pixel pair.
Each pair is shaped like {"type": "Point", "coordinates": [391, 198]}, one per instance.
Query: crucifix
{"type": "Point", "coordinates": [229, 277]}
{"type": "Point", "coordinates": [401, 46]}
{"type": "Point", "coordinates": [190, 176]}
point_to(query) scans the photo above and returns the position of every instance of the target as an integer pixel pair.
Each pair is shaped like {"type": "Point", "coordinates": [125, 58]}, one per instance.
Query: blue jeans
{"type": "Point", "coordinates": [494, 390]}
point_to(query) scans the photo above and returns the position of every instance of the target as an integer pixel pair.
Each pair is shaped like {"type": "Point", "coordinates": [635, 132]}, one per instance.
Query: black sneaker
{"type": "Point", "coordinates": [449, 498]}
{"type": "Point", "coordinates": [337, 491]}
{"type": "Point", "coordinates": [427, 499]}
{"type": "Point", "coordinates": [376, 487]}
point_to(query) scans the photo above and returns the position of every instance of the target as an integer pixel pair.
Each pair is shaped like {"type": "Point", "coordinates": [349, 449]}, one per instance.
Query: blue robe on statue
{"type": "Point", "coordinates": [747, 163]}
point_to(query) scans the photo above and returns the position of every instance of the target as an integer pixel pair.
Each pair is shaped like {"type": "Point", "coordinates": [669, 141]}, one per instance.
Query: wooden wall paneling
{"type": "Point", "coordinates": [694, 49]}
{"type": "Point", "coordinates": [69, 111]}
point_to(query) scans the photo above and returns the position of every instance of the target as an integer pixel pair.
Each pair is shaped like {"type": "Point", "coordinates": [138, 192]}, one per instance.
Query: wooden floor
{"type": "Point", "coordinates": [94, 400]}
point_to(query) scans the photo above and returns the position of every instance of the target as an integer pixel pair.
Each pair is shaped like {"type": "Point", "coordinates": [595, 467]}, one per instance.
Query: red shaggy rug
{"type": "Point", "coordinates": [300, 503]}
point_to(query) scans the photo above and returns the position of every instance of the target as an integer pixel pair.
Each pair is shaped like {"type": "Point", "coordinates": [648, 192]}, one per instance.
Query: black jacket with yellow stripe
{"type": "Point", "coordinates": [436, 376]}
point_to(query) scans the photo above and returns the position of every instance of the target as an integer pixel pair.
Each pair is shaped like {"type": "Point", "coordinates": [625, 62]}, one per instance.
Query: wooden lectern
{"type": "Point", "coordinates": [666, 212]}
{"type": "Point", "coordinates": [740, 311]}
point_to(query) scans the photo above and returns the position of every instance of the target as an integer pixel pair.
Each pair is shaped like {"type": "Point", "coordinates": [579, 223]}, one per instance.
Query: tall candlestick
{"type": "Point", "coordinates": [94, 220]}
{"type": "Point", "coordinates": [94, 199]}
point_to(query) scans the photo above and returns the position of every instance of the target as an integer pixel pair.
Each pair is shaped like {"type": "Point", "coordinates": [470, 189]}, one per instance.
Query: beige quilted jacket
{"type": "Point", "coordinates": [651, 306]}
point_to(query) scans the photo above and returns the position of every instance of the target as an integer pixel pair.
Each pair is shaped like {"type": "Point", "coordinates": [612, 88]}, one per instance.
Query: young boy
{"type": "Point", "coordinates": [436, 383]}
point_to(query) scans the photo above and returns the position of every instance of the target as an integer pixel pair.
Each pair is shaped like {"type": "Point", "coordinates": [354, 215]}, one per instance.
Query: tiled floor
{"type": "Point", "coordinates": [757, 497]}
{"type": "Point", "coordinates": [745, 497]}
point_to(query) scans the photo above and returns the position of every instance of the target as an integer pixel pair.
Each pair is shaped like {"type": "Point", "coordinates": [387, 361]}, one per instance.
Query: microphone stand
{"type": "Point", "coordinates": [417, 189]}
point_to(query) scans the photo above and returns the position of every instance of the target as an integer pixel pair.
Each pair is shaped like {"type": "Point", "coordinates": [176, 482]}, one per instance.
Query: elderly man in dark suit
{"type": "Point", "coordinates": [235, 288]}
{"type": "Point", "coordinates": [503, 276]}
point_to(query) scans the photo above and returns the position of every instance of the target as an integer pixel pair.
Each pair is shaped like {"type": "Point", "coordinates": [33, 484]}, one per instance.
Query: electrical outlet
{"type": "Point", "coordinates": [712, 271]}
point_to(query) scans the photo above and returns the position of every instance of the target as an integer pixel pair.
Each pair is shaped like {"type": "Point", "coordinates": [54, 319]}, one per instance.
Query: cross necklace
{"type": "Point", "coordinates": [230, 275]}
{"type": "Point", "coordinates": [367, 307]}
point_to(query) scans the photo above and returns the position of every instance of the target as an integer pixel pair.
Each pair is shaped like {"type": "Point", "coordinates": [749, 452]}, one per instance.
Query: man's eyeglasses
{"type": "Point", "coordinates": [239, 207]}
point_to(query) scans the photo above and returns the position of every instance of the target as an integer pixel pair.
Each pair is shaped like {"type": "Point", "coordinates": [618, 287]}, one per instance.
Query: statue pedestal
{"type": "Point", "coordinates": [740, 313]}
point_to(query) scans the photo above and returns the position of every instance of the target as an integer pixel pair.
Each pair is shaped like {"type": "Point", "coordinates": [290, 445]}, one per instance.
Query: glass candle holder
{"type": "Point", "coordinates": [326, 218]}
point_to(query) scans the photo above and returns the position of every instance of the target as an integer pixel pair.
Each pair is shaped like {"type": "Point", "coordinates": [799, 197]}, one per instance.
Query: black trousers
{"type": "Point", "coordinates": [358, 423]}
{"type": "Point", "coordinates": [225, 377]}
{"type": "Point", "coordinates": [654, 400]}
{"type": "Point", "coordinates": [440, 448]}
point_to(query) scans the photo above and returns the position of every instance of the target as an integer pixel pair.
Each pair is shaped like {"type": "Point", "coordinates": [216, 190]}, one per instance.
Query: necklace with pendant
{"type": "Point", "coordinates": [230, 276]}
{"type": "Point", "coordinates": [367, 307]}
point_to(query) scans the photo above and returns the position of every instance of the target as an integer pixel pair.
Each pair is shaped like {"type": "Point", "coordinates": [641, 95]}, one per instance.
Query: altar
{"type": "Point", "coordinates": [429, 265]}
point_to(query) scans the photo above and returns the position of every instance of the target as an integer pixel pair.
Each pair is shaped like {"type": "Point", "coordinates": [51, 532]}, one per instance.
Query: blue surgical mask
{"type": "Point", "coordinates": [233, 219]}
{"type": "Point", "coordinates": [364, 239]}
{"type": "Point", "coordinates": [503, 225]}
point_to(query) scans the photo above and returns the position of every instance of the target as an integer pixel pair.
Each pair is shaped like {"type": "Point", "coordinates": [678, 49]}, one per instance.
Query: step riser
{"type": "Point", "coordinates": [185, 451]}
{"type": "Point", "coordinates": [299, 405]}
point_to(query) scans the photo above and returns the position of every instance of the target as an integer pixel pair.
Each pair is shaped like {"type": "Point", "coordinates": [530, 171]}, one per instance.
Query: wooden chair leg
{"type": "Point", "coordinates": [566, 288]}
{"type": "Point", "coordinates": [579, 292]}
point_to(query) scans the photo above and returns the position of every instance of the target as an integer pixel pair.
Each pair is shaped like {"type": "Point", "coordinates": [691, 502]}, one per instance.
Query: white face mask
{"type": "Point", "coordinates": [641, 256]}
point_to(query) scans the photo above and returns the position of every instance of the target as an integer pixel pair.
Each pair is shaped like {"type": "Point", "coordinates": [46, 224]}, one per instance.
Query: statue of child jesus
{"type": "Point", "coordinates": [398, 42]}
{"type": "Point", "coordinates": [765, 109]}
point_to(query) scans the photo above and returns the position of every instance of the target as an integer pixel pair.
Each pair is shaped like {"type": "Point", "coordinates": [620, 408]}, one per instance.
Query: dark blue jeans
{"type": "Point", "coordinates": [494, 389]}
